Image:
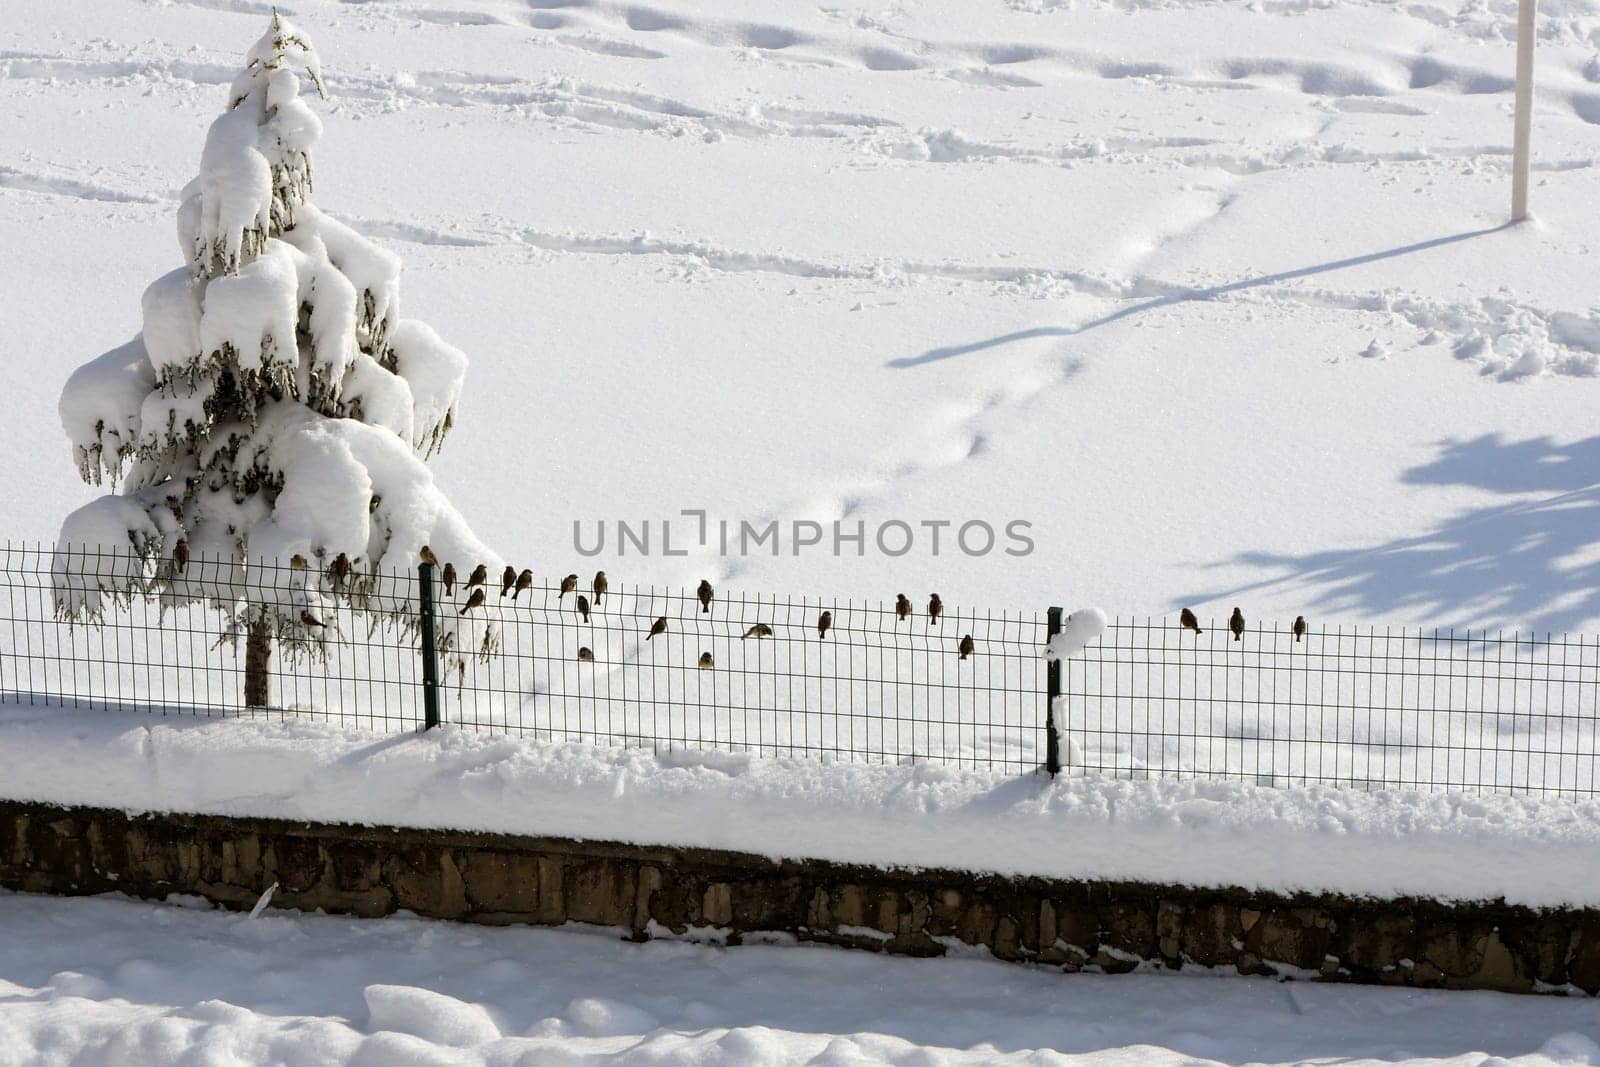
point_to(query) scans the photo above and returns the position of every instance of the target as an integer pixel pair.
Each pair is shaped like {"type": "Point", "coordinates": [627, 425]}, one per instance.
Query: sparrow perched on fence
{"type": "Point", "coordinates": [1236, 624]}
{"type": "Point", "coordinates": [660, 627]}
{"type": "Point", "coordinates": [1299, 628]}
{"type": "Point", "coordinates": [966, 647]}
{"type": "Point", "coordinates": [585, 656]}
{"type": "Point", "coordinates": [473, 601]}
{"type": "Point", "coordinates": [524, 580]}
{"type": "Point", "coordinates": [449, 579]}
{"type": "Point", "coordinates": [600, 585]}
{"type": "Point", "coordinates": [935, 608]}
{"type": "Point", "coordinates": [339, 570]}
{"type": "Point", "coordinates": [479, 576]}
{"type": "Point", "coordinates": [568, 584]}
{"type": "Point", "coordinates": [704, 593]}
{"type": "Point", "coordinates": [705, 661]}
{"type": "Point", "coordinates": [1187, 620]}
{"type": "Point", "coordinates": [428, 557]}
{"type": "Point", "coordinates": [902, 607]}
{"type": "Point", "coordinates": [583, 607]}
{"type": "Point", "coordinates": [307, 619]}
{"type": "Point", "coordinates": [508, 578]}
{"type": "Point", "coordinates": [759, 630]}
{"type": "Point", "coordinates": [297, 562]}
{"type": "Point", "coordinates": [180, 555]}
{"type": "Point", "coordinates": [824, 622]}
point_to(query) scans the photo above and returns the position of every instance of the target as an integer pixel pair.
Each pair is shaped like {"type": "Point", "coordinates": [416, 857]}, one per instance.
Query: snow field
{"type": "Point", "coordinates": [881, 266]}
{"type": "Point", "coordinates": [1214, 294]}
{"type": "Point", "coordinates": [113, 981]}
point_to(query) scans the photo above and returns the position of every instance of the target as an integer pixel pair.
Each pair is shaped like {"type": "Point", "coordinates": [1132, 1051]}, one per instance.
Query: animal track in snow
{"type": "Point", "coordinates": [11, 178]}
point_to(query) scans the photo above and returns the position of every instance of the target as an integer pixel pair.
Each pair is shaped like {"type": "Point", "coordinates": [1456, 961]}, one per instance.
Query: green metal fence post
{"type": "Point", "coordinates": [430, 659]}
{"type": "Point", "coordinates": [1052, 738]}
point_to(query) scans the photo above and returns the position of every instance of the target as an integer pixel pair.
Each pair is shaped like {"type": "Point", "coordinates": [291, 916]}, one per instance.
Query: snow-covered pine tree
{"type": "Point", "coordinates": [274, 405]}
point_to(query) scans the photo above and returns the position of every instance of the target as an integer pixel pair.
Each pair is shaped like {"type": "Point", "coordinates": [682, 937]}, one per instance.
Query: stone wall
{"type": "Point", "coordinates": [731, 897]}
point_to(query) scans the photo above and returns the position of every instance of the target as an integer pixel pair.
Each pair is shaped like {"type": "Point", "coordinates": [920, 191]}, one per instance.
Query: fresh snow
{"type": "Point", "coordinates": [1539, 853]}
{"type": "Point", "coordinates": [128, 984]}
{"type": "Point", "coordinates": [1110, 267]}
{"type": "Point", "coordinates": [1214, 294]}
{"type": "Point", "coordinates": [1077, 631]}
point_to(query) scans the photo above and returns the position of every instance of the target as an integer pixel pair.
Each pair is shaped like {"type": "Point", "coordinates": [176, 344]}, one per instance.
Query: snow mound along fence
{"type": "Point", "coordinates": [610, 663]}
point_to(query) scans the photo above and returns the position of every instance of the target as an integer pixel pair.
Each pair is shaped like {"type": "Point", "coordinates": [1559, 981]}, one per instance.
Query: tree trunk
{"type": "Point", "coordinates": [258, 664]}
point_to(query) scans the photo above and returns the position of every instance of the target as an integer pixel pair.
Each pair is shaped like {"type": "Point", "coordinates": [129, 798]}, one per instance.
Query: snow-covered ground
{"type": "Point", "coordinates": [117, 982]}
{"type": "Point", "coordinates": [1211, 293]}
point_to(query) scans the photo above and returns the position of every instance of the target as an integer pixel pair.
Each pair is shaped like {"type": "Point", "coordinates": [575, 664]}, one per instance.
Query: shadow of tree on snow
{"type": "Point", "coordinates": [1529, 564]}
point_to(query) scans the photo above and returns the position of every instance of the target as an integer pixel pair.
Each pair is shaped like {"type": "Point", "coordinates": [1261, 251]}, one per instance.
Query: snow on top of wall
{"type": "Point", "coordinates": [1528, 851]}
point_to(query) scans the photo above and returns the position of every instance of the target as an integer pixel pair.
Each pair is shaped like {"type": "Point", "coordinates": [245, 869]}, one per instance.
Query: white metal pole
{"type": "Point", "coordinates": [1524, 111]}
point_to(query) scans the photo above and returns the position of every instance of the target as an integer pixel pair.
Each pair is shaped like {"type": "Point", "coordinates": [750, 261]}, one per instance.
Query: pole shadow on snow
{"type": "Point", "coordinates": [1528, 564]}
{"type": "Point", "coordinates": [1182, 295]}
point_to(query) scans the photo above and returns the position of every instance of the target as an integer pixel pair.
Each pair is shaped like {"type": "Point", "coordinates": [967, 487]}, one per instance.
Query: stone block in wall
{"type": "Point", "coordinates": [150, 857]}
{"type": "Point", "coordinates": [425, 880]}
{"type": "Point", "coordinates": [978, 922]}
{"type": "Point", "coordinates": [1542, 944]}
{"type": "Point", "coordinates": [15, 856]}
{"type": "Point", "coordinates": [59, 845]}
{"type": "Point", "coordinates": [1498, 968]}
{"type": "Point", "coordinates": [1449, 951]}
{"type": "Point", "coordinates": [946, 907]}
{"type": "Point", "coordinates": [1298, 937]}
{"type": "Point", "coordinates": [1169, 930]}
{"type": "Point", "coordinates": [1373, 947]}
{"type": "Point", "coordinates": [1068, 934]}
{"type": "Point", "coordinates": [716, 906]}
{"type": "Point", "coordinates": [1583, 960]}
{"type": "Point", "coordinates": [552, 907]}
{"type": "Point", "coordinates": [600, 891]}
{"type": "Point", "coordinates": [763, 902]}
{"type": "Point", "coordinates": [1213, 936]}
{"type": "Point", "coordinates": [294, 862]}
{"type": "Point", "coordinates": [648, 880]}
{"type": "Point", "coordinates": [499, 885]}
{"type": "Point", "coordinates": [353, 879]}
{"type": "Point", "coordinates": [1128, 928]}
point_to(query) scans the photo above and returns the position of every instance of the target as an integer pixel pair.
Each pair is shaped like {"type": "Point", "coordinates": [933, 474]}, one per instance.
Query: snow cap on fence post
{"type": "Point", "coordinates": [1065, 638]}
{"type": "Point", "coordinates": [1081, 627]}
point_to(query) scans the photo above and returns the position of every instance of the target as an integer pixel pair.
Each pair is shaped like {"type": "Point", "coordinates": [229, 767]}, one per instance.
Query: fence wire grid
{"type": "Point", "coordinates": [1370, 707]}
{"type": "Point", "coordinates": [1359, 707]}
{"type": "Point", "coordinates": [874, 689]}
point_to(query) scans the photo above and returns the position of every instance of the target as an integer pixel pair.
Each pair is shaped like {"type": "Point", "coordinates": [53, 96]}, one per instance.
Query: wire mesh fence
{"type": "Point", "coordinates": [742, 673]}
{"type": "Point", "coordinates": [1367, 707]}
{"type": "Point", "coordinates": [163, 647]}
{"type": "Point", "coordinates": [752, 673]}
